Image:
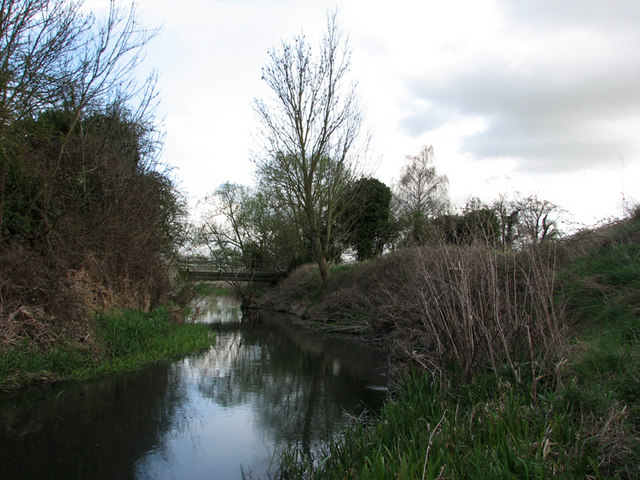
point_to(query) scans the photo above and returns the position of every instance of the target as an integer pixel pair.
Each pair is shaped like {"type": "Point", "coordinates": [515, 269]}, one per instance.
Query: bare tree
{"type": "Point", "coordinates": [308, 130]}
{"type": "Point", "coordinates": [537, 219]}
{"type": "Point", "coordinates": [507, 213]}
{"type": "Point", "coordinates": [421, 193]}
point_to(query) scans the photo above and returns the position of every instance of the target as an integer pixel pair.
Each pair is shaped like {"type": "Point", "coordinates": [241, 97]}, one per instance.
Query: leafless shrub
{"type": "Point", "coordinates": [477, 305]}
{"type": "Point", "coordinates": [472, 306]}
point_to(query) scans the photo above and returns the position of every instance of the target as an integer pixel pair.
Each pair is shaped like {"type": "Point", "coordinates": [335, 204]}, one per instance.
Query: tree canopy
{"type": "Point", "coordinates": [368, 217]}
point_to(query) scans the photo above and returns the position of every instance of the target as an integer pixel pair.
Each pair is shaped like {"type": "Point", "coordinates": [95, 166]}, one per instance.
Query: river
{"type": "Point", "coordinates": [267, 383]}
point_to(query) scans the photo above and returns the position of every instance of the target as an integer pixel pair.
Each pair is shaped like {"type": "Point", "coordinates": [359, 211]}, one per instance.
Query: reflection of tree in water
{"type": "Point", "coordinates": [299, 383]}
{"type": "Point", "coordinates": [96, 430]}
{"type": "Point", "coordinates": [216, 308]}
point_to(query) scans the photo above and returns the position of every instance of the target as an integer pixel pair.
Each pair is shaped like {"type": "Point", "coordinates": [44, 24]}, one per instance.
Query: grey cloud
{"type": "Point", "coordinates": [610, 15]}
{"type": "Point", "coordinates": [559, 120]}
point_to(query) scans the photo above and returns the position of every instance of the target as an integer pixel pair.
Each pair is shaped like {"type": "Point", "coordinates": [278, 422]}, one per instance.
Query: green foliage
{"type": "Point", "coordinates": [487, 429]}
{"type": "Point", "coordinates": [128, 340]}
{"type": "Point", "coordinates": [367, 214]}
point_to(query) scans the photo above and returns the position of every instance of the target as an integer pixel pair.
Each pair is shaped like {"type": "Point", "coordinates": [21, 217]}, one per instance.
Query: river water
{"type": "Point", "coordinates": [267, 383]}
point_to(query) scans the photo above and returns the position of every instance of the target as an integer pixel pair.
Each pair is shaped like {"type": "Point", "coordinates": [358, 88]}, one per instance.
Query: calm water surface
{"type": "Point", "coordinates": [267, 383]}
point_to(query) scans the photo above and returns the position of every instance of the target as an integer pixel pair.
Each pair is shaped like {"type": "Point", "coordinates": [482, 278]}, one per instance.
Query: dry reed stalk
{"type": "Point", "coordinates": [477, 306]}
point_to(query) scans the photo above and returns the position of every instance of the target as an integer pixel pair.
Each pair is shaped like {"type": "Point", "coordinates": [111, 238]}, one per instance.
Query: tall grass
{"type": "Point", "coordinates": [127, 340]}
{"type": "Point", "coordinates": [486, 429]}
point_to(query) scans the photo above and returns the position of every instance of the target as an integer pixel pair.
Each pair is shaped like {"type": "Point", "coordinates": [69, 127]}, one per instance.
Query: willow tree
{"type": "Point", "coordinates": [309, 126]}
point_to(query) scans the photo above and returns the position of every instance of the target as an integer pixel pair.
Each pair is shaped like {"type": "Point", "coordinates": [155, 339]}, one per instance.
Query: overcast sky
{"type": "Point", "coordinates": [530, 96]}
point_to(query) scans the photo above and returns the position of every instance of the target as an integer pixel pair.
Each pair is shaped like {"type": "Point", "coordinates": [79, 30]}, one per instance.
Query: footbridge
{"type": "Point", "coordinates": [203, 271]}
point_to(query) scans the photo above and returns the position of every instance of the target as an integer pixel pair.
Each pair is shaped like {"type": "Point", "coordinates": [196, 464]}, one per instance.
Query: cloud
{"type": "Point", "coordinates": [596, 14]}
{"type": "Point", "coordinates": [557, 88]}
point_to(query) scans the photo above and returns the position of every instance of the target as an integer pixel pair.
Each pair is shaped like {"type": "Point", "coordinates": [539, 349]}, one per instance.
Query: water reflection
{"type": "Point", "coordinates": [93, 430]}
{"type": "Point", "coordinates": [265, 384]}
{"type": "Point", "coordinates": [217, 309]}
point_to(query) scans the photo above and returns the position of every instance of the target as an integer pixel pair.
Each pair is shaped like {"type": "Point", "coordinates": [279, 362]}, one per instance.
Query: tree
{"type": "Point", "coordinates": [226, 227]}
{"type": "Point", "coordinates": [81, 191]}
{"type": "Point", "coordinates": [309, 127]}
{"type": "Point", "coordinates": [420, 194]}
{"type": "Point", "coordinates": [507, 214]}
{"type": "Point", "coordinates": [367, 217]}
{"type": "Point", "coordinates": [243, 231]}
{"type": "Point", "coordinates": [537, 219]}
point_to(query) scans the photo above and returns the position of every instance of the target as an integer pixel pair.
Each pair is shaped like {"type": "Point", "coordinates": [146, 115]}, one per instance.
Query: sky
{"type": "Point", "coordinates": [516, 97]}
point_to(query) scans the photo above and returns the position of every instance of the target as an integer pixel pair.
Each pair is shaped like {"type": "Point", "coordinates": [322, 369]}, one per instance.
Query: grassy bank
{"type": "Point", "coordinates": [561, 401]}
{"type": "Point", "coordinates": [485, 429]}
{"type": "Point", "coordinates": [122, 340]}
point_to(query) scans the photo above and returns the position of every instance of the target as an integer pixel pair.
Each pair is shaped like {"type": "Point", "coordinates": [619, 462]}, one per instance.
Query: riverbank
{"type": "Point", "coordinates": [560, 398]}
{"type": "Point", "coordinates": [118, 341]}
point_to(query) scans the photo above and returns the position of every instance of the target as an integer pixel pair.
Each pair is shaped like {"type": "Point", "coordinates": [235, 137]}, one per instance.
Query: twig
{"type": "Point", "coordinates": [426, 457]}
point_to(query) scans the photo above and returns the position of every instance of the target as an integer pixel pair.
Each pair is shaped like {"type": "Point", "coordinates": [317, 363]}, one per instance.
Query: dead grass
{"type": "Point", "coordinates": [44, 302]}
{"type": "Point", "coordinates": [616, 441]}
{"type": "Point", "coordinates": [37, 305]}
{"type": "Point", "coordinates": [295, 293]}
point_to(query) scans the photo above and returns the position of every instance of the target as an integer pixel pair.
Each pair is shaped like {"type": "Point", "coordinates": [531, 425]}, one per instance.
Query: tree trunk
{"type": "Point", "coordinates": [319, 253]}
{"type": "Point", "coordinates": [323, 265]}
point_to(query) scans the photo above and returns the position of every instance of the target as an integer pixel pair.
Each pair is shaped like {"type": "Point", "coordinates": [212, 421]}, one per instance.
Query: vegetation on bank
{"type": "Point", "coordinates": [567, 408]}
{"type": "Point", "coordinates": [217, 288]}
{"type": "Point", "coordinates": [90, 220]}
{"type": "Point", "coordinates": [485, 429]}
{"type": "Point", "coordinates": [127, 339]}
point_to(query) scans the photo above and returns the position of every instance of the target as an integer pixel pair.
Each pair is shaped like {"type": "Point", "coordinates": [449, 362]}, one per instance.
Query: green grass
{"type": "Point", "coordinates": [341, 268]}
{"type": "Point", "coordinates": [485, 430]}
{"type": "Point", "coordinates": [602, 287]}
{"type": "Point", "coordinates": [127, 340]}
{"type": "Point", "coordinates": [603, 292]}
{"type": "Point", "coordinates": [582, 420]}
